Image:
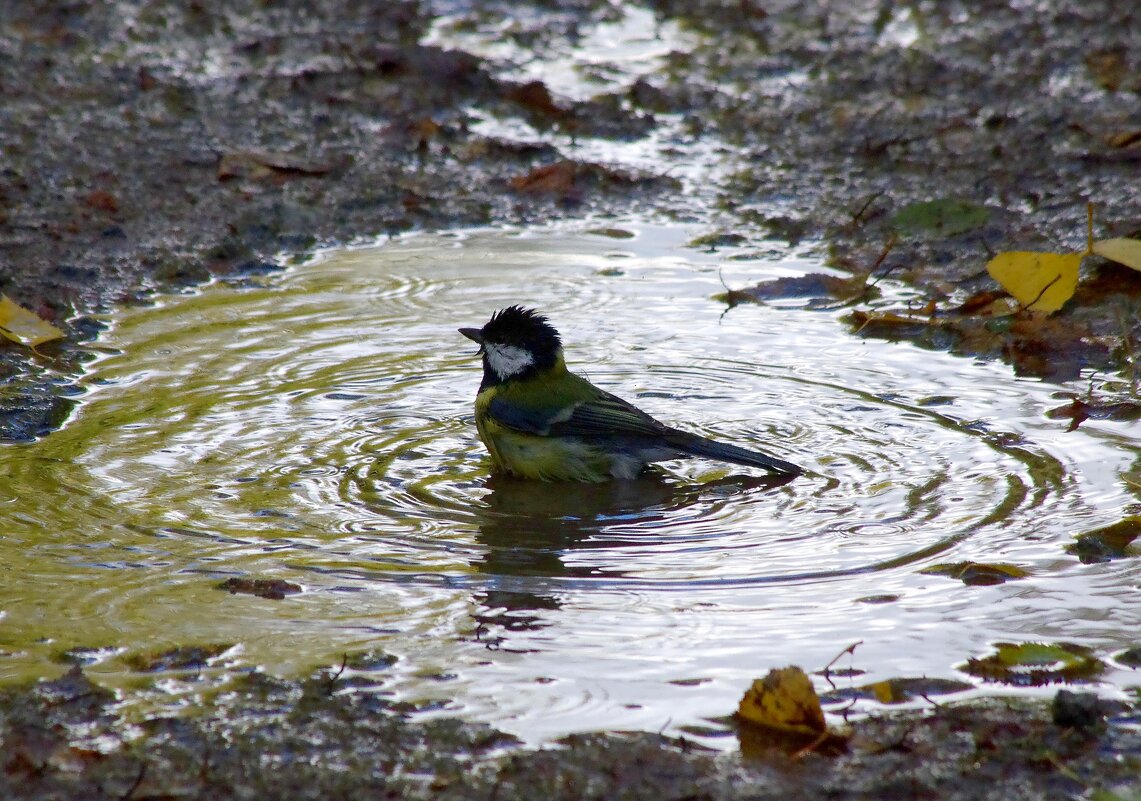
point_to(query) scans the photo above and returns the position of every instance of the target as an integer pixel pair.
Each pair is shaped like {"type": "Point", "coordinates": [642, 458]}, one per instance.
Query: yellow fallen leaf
{"type": "Point", "coordinates": [1122, 251]}
{"type": "Point", "coordinates": [1039, 281]}
{"type": "Point", "coordinates": [883, 691]}
{"type": "Point", "coordinates": [784, 700]}
{"type": "Point", "coordinates": [23, 325]}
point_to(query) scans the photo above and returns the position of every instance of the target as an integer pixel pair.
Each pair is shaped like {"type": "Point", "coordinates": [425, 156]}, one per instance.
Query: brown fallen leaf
{"type": "Point", "coordinates": [1124, 139]}
{"type": "Point", "coordinates": [1108, 67]}
{"type": "Point", "coordinates": [101, 200]}
{"type": "Point", "coordinates": [558, 178]}
{"type": "Point", "coordinates": [274, 589]}
{"type": "Point", "coordinates": [1077, 411]}
{"type": "Point", "coordinates": [890, 320]}
{"type": "Point", "coordinates": [988, 303]}
{"type": "Point", "coordinates": [536, 97]}
{"type": "Point", "coordinates": [812, 285]}
{"type": "Point", "coordinates": [262, 165]}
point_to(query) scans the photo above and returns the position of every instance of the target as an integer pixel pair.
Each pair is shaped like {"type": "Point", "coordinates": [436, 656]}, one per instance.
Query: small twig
{"type": "Point", "coordinates": [1089, 389]}
{"type": "Point", "coordinates": [851, 649]}
{"type": "Point", "coordinates": [135, 785]}
{"type": "Point", "coordinates": [333, 678]}
{"type": "Point", "coordinates": [843, 711]}
{"type": "Point", "coordinates": [886, 250]}
{"type": "Point", "coordinates": [925, 697]}
{"type": "Point", "coordinates": [731, 295]}
{"type": "Point", "coordinates": [867, 204]}
{"type": "Point", "coordinates": [1089, 228]}
{"type": "Point", "coordinates": [827, 669]}
{"type": "Point", "coordinates": [812, 746]}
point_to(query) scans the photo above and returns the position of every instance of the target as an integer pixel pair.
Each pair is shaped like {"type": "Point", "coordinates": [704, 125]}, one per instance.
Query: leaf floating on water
{"type": "Point", "coordinates": [1106, 543]}
{"type": "Point", "coordinates": [1034, 664]}
{"type": "Point", "coordinates": [1130, 657]}
{"type": "Point", "coordinates": [193, 657]}
{"type": "Point", "coordinates": [944, 217]}
{"type": "Point", "coordinates": [977, 573]}
{"type": "Point", "coordinates": [717, 239]}
{"type": "Point", "coordinates": [1122, 251]}
{"type": "Point", "coordinates": [899, 690]}
{"type": "Point", "coordinates": [812, 285]}
{"type": "Point", "coordinates": [902, 690]}
{"type": "Point", "coordinates": [1079, 410]}
{"type": "Point", "coordinates": [370, 660]}
{"type": "Point", "coordinates": [274, 589]}
{"type": "Point", "coordinates": [611, 233]}
{"type": "Point", "coordinates": [24, 326]}
{"type": "Point", "coordinates": [1039, 281]}
{"type": "Point", "coordinates": [784, 700]}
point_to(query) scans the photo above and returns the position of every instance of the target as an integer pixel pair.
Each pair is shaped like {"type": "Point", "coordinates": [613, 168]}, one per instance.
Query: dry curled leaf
{"type": "Point", "coordinates": [784, 700]}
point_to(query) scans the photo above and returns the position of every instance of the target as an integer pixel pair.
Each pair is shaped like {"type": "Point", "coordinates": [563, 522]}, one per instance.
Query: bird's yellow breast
{"type": "Point", "coordinates": [545, 458]}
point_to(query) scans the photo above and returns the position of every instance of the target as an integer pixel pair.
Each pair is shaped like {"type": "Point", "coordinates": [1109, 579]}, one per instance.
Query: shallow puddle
{"type": "Point", "coordinates": [316, 426]}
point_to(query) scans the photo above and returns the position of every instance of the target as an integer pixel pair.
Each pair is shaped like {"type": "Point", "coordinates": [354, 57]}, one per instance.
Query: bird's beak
{"type": "Point", "coordinates": [473, 334]}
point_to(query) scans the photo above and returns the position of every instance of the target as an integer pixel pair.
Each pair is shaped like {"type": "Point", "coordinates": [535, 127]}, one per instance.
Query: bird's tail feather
{"type": "Point", "coordinates": [708, 449]}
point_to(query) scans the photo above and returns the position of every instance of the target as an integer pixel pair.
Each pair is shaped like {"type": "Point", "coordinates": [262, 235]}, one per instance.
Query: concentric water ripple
{"type": "Point", "coordinates": [318, 428]}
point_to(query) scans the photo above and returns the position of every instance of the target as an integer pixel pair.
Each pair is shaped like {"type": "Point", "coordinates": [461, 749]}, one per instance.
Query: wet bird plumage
{"type": "Point", "coordinates": [539, 420]}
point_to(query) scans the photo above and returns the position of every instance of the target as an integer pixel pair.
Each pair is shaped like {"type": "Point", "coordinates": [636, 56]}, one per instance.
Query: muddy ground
{"type": "Point", "coordinates": [309, 740]}
{"type": "Point", "coordinates": [149, 147]}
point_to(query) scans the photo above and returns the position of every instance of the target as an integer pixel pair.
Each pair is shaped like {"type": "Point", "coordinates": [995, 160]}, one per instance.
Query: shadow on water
{"type": "Point", "coordinates": [529, 528]}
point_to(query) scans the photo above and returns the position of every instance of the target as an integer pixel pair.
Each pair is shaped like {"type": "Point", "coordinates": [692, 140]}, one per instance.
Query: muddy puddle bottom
{"type": "Point", "coordinates": [316, 427]}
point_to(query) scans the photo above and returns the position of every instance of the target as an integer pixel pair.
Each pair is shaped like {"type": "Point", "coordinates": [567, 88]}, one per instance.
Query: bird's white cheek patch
{"type": "Point", "coordinates": [508, 360]}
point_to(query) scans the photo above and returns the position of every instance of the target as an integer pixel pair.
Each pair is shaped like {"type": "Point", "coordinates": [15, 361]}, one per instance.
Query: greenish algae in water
{"type": "Point", "coordinates": [315, 428]}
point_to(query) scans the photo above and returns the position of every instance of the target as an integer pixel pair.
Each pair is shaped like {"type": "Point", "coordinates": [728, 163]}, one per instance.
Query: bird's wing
{"type": "Point", "coordinates": [602, 415]}
{"type": "Point", "coordinates": [530, 420]}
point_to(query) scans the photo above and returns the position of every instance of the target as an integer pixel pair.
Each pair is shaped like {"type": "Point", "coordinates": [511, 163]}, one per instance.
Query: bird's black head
{"type": "Point", "coordinates": [515, 343]}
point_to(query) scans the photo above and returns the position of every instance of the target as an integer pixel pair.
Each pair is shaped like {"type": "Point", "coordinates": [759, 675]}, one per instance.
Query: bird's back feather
{"type": "Point", "coordinates": [558, 425]}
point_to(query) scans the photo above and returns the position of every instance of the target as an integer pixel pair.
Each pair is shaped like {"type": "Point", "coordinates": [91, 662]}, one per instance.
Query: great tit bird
{"type": "Point", "coordinates": [541, 421]}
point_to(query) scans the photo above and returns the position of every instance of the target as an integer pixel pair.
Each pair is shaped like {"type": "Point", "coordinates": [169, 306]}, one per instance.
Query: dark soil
{"type": "Point", "coordinates": [149, 147]}
{"type": "Point", "coordinates": [310, 740]}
